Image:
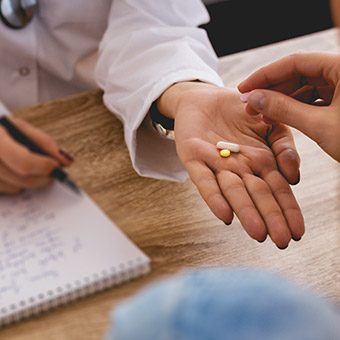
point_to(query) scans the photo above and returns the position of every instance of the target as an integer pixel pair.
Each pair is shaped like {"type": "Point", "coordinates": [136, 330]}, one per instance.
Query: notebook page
{"type": "Point", "coordinates": [52, 242]}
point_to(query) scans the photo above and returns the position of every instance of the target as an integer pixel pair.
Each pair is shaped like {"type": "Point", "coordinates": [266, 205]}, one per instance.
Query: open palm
{"type": "Point", "coordinates": [253, 183]}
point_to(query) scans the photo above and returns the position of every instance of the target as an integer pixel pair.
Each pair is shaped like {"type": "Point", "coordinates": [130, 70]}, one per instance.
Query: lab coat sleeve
{"type": "Point", "coordinates": [148, 46]}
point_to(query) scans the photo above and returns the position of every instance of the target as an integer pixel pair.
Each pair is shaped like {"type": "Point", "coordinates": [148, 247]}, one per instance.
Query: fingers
{"type": "Point", "coordinates": [22, 182]}
{"type": "Point", "coordinates": [284, 109]}
{"type": "Point", "coordinates": [283, 147]}
{"type": "Point", "coordinates": [313, 65]}
{"type": "Point", "coordinates": [306, 94]}
{"type": "Point", "coordinates": [286, 200]}
{"type": "Point", "coordinates": [20, 168]}
{"type": "Point", "coordinates": [196, 156]}
{"type": "Point", "coordinates": [44, 141]}
{"type": "Point", "coordinates": [263, 208]}
{"type": "Point", "coordinates": [206, 183]}
{"type": "Point", "coordinates": [270, 210]}
{"type": "Point", "coordinates": [309, 94]}
{"type": "Point", "coordinates": [288, 86]}
{"type": "Point", "coordinates": [6, 188]}
{"type": "Point", "coordinates": [235, 192]}
{"type": "Point", "coordinates": [263, 205]}
{"type": "Point", "coordinates": [21, 161]}
{"type": "Point", "coordinates": [228, 185]}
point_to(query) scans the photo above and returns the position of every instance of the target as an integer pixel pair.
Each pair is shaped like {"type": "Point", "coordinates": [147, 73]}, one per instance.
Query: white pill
{"type": "Point", "coordinates": [233, 147]}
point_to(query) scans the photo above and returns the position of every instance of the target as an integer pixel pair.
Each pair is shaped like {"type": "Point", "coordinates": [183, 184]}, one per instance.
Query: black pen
{"type": "Point", "coordinates": [21, 138]}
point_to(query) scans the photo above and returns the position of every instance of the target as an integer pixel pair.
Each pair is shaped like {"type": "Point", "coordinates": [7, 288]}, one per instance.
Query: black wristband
{"type": "Point", "coordinates": [157, 117]}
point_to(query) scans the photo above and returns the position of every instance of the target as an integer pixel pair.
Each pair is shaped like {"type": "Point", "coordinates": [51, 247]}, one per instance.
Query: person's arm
{"type": "Point", "coordinates": [149, 46]}
{"type": "Point", "coordinates": [147, 54]}
{"type": "Point", "coordinates": [306, 96]}
{"type": "Point", "coordinates": [252, 183]}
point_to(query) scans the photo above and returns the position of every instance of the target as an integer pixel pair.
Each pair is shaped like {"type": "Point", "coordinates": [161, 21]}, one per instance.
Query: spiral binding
{"type": "Point", "coordinates": [72, 291]}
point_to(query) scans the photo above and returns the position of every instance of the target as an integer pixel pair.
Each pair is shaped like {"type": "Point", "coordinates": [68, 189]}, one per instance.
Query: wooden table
{"type": "Point", "coordinates": [169, 221]}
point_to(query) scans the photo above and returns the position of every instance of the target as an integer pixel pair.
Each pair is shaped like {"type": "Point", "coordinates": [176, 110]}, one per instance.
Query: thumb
{"type": "Point", "coordinates": [284, 109]}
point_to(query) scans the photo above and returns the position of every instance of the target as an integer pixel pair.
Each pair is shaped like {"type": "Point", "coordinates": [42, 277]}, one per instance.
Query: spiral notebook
{"type": "Point", "coordinates": [56, 246]}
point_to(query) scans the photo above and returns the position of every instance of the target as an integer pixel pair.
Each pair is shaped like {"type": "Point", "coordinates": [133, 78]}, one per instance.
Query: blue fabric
{"type": "Point", "coordinates": [221, 304]}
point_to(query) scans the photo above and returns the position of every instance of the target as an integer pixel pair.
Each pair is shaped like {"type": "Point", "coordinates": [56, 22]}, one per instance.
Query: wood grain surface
{"type": "Point", "coordinates": [170, 222]}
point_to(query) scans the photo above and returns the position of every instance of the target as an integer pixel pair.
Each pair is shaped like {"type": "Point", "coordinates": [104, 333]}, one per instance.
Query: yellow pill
{"type": "Point", "coordinates": [225, 153]}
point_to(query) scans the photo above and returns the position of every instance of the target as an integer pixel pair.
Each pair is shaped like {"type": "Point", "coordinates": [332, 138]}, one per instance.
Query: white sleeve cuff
{"type": "Point", "coordinates": [155, 155]}
{"type": "Point", "coordinates": [151, 154]}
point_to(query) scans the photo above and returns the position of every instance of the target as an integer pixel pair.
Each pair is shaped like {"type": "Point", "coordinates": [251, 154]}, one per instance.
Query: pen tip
{"type": "Point", "coordinates": [72, 186]}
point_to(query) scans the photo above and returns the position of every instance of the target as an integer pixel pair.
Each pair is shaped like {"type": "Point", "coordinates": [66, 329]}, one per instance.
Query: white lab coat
{"type": "Point", "coordinates": [132, 49]}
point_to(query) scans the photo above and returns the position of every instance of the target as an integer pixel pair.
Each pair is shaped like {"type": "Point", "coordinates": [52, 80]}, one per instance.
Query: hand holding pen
{"type": "Point", "coordinates": [29, 158]}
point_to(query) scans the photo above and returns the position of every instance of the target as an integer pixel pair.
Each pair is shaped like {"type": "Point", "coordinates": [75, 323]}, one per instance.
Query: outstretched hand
{"type": "Point", "coordinates": [254, 183]}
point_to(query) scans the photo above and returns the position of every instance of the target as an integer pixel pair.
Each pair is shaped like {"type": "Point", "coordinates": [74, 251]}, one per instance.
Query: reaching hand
{"type": "Point", "coordinates": [301, 90]}
{"type": "Point", "coordinates": [253, 183]}
{"type": "Point", "coordinates": [19, 167]}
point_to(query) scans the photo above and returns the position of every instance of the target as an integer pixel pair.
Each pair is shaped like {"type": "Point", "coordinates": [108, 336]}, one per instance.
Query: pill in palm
{"type": "Point", "coordinates": [225, 153]}
{"type": "Point", "coordinates": [233, 147]}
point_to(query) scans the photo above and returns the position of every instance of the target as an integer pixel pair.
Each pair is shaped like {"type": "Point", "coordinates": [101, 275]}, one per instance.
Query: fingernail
{"type": "Point", "coordinates": [66, 155]}
{"type": "Point", "coordinates": [244, 97]}
{"type": "Point", "coordinates": [257, 100]}
{"type": "Point", "coordinates": [227, 223]}
{"type": "Point", "coordinates": [298, 178]}
{"type": "Point", "coordinates": [261, 241]}
{"type": "Point", "coordinates": [284, 247]}
{"type": "Point", "coordinates": [296, 239]}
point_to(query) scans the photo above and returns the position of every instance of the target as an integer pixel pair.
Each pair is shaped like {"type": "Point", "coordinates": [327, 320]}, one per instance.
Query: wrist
{"type": "Point", "coordinates": [171, 99]}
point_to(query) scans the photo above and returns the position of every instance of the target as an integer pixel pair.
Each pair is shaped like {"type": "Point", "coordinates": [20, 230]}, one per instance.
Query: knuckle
{"type": "Point", "coordinates": [262, 160]}
{"type": "Point", "coordinates": [211, 198]}
{"type": "Point", "coordinates": [275, 214]}
{"type": "Point", "coordinates": [278, 107]}
{"type": "Point", "coordinates": [256, 184]}
{"type": "Point", "coordinates": [234, 186]}
{"type": "Point", "coordinates": [204, 181]}
{"type": "Point", "coordinates": [49, 141]}
{"type": "Point", "coordinates": [295, 58]}
{"type": "Point", "coordinates": [284, 191]}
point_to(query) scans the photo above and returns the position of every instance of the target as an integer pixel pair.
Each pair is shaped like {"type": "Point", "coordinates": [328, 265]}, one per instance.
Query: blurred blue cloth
{"type": "Point", "coordinates": [221, 304]}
